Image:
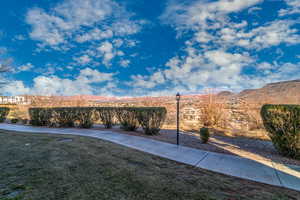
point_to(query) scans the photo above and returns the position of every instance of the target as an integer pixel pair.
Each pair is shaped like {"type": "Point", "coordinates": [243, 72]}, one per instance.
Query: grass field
{"type": "Point", "coordinates": [43, 167]}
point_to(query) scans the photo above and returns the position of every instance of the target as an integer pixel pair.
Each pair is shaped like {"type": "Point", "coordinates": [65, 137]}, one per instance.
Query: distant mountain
{"type": "Point", "coordinates": [286, 92]}
{"type": "Point", "coordinates": [90, 98]}
{"type": "Point", "coordinates": [225, 95]}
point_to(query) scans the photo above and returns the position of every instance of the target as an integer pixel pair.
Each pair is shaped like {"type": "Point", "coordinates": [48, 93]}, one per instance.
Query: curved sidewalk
{"type": "Point", "coordinates": [261, 171]}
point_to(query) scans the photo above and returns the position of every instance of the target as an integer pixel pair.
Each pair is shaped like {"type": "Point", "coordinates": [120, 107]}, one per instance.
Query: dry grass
{"type": "Point", "coordinates": [41, 166]}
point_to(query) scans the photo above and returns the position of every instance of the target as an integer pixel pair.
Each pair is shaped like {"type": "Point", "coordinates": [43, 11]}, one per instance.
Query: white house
{"type": "Point", "coordinates": [13, 100]}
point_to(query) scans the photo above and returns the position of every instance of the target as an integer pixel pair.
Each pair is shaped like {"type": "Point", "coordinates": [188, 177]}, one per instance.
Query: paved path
{"type": "Point", "coordinates": [261, 171]}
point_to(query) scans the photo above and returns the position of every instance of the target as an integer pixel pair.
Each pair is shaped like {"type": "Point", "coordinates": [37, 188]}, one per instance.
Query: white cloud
{"type": "Point", "coordinates": [26, 67]}
{"type": "Point", "coordinates": [264, 66]}
{"type": "Point", "coordinates": [95, 34]}
{"type": "Point", "coordinates": [200, 13]}
{"type": "Point", "coordinates": [124, 63]}
{"type": "Point", "coordinates": [66, 21]}
{"type": "Point", "coordinates": [45, 28]}
{"type": "Point", "coordinates": [83, 60]}
{"type": "Point", "coordinates": [84, 24]}
{"type": "Point", "coordinates": [139, 81]}
{"type": "Point", "coordinates": [89, 75]}
{"type": "Point", "coordinates": [275, 33]}
{"type": "Point", "coordinates": [222, 58]}
{"type": "Point", "coordinates": [293, 7]}
{"type": "Point", "coordinates": [148, 82]}
{"type": "Point", "coordinates": [209, 21]}
{"type": "Point", "coordinates": [215, 68]}
{"type": "Point", "coordinates": [183, 77]}
{"type": "Point", "coordinates": [118, 42]}
{"type": "Point", "coordinates": [53, 85]}
{"type": "Point", "coordinates": [254, 9]}
{"type": "Point", "coordinates": [55, 27]}
{"type": "Point", "coordinates": [106, 49]}
{"type": "Point", "coordinates": [15, 88]}
{"type": "Point", "coordinates": [272, 34]}
{"type": "Point", "coordinates": [221, 49]}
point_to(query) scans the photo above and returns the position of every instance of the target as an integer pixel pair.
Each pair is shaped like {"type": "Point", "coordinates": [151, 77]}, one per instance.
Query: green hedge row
{"type": "Point", "coordinates": [62, 117]}
{"type": "Point", "coordinates": [127, 117]}
{"type": "Point", "coordinates": [149, 118]}
{"type": "Point", "coordinates": [106, 115]}
{"type": "Point", "coordinates": [283, 125]}
{"type": "Point", "coordinates": [3, 113]}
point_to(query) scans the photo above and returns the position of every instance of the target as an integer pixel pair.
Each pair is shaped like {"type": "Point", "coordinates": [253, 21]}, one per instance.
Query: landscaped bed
{"type": "Point", "coordinates": [41, 166]}
{"type": "Point", "coordinates": [245, 147]}
{"type": "Point", "coordinates": [151, 119]}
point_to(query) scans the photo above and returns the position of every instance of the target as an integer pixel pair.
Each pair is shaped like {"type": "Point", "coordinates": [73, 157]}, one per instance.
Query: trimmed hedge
{"type": "Point", "coordinates": [106, 115]}
{"type": "Point", "coordinates": [85, 116]}
{"type": "Point", "coordinates": [14, 121]}
{"type": "Point", "coordinates": [40, 116]}
{"type": "Point", "coordinates": [283, 125]}
{"type": "Point", "coordinates": [62, 117]}
{"type": "Point", "coordinates": [151, 119]}
{"type": "Point", "coordinates": [127, 117]}
{"type": "Point", "coordinates": [3, 113]}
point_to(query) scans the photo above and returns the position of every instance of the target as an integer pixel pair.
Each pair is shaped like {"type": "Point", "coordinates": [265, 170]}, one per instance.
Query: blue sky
{"type": "Point", "coordinates": [142, 47]}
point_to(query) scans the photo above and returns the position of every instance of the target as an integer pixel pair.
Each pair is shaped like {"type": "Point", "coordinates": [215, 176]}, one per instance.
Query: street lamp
{"type": "Point", "coordinates": [178, 99]}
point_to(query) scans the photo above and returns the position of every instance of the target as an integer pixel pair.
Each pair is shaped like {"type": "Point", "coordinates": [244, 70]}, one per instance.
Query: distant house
{"type": "Point", "coordinates": [14, 100]}
{"type": "Point", "coordinates": [191, 114]}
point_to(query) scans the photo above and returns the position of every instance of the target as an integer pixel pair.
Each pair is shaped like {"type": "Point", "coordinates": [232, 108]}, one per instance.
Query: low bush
{"type": "Point", "coordinates": [151, 119]}
{"type": "Point", "coordinates": [85, 116]}
{"type": "Point", "coordinates": [64, 117]}
{"type": "Point", "coordinates": [14, 121]}
{"type": "Point", "coordinates": [3, 113]}
{"type": "Point", "coordinates": [106, 115]}
{"type": "Point", "coordinates": [24, 121]}
{"type": "Point", "coordinates": [282, 123]}
{"type": "Point", "coordinates": [127, 117]}
{"type": "Point", "coordinates": [204, 135]}
{"type": "Point", "coordinates": [40, 116]}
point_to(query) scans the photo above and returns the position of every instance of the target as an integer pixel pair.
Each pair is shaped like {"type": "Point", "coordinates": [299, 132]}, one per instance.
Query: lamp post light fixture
{"type": "Point", "coordinates": [178, 99]}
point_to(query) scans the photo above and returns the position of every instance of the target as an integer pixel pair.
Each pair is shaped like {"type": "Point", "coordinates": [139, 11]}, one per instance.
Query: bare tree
{"type": "Point", "coordinates": [211, 110]}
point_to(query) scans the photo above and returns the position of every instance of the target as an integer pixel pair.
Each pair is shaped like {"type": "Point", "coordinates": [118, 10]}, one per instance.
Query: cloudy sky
{"type": "Point", "coordinates": [143, 47]}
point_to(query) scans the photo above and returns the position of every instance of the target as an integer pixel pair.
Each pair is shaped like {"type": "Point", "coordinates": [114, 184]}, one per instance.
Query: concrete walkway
{"type": "Point", "coordinates": [261, 171]}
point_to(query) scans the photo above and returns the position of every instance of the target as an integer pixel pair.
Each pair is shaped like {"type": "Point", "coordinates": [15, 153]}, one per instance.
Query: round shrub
{"type": "Point", "coordinates": [204, 135]}
{"type": "Point", "coordinates": [85, 116]}
{"type": "Point", "coordinates": [24, 121]}
{"type": "Point", "coordinates": [282, 123]}
{"type": "Point", "coordinates": [127, 117]}
{"type": "Point", "coordinates": [151, 119]}
{"type": "Point", "coordinates": [64, 116]}
{"type": "Point", "coordinates": [40, 116]}
{"type": "Point", "coordinates": [106, 115]}
{"type": "Point", "coordinates": [3, 113]}
{"type": "Point", "coordinates": [14, 121]}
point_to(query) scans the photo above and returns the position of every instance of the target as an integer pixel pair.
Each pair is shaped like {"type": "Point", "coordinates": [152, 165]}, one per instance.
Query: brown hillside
{"type": "Point", "coordinates": [287, 92]}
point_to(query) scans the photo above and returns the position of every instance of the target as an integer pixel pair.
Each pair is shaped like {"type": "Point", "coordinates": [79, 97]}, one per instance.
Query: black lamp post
{"type": "Point", "coordinates": [178, 99]}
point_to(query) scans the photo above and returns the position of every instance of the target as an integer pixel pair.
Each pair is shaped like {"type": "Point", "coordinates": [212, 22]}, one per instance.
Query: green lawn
{"type": "Point", "coordinates": [41, 167]}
